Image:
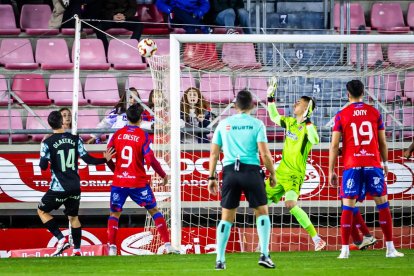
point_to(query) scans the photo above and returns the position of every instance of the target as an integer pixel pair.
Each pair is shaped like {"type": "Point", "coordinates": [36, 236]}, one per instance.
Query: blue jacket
{"type": "Point", "coordinates": [197, 7]}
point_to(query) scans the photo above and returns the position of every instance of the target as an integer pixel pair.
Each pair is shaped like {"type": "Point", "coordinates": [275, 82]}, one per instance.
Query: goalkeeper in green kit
{"type": "Point", "coordinates": [301, 135]}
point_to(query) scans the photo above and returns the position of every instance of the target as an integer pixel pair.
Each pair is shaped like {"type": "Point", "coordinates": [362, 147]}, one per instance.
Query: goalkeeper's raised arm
{"type": "Point", "coordinates": [271, 99]}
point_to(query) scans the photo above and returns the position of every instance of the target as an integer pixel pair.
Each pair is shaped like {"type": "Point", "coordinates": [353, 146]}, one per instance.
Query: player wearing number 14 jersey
{"type": "Point", "coordinates": [363, 144]}
{"type": "Point", "coordinates": [132, 146]}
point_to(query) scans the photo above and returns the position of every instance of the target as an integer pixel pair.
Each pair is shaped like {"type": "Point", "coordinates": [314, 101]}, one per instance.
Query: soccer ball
{"type": "Point", "coordinates": [147, 47]}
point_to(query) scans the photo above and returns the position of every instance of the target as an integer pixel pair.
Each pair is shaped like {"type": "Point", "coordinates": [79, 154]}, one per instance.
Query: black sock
{"type": "Point", "coordinates": [53, 228]}
{"type": "Point", "coordinates": [76, 236]}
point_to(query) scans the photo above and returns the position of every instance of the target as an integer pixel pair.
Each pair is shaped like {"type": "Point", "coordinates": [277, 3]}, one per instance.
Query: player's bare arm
{"type": "Point", "coordinates": [212, 181]}
{"type": "Point", "coordinates": [383, 148]}
{"type": "Point", "coordinates": [333, 156]}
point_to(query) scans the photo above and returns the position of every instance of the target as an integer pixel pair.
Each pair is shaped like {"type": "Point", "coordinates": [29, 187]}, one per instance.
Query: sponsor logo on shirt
{"type": "Point", "coordinates": [125, 175]}
{"type": "Point", "coordinates": [363, 153]}
{"type": "Point", "coordinates": [228, 127]}
{"type": "Point", "coordinates": [291, 135]}
{"type": "Point", "coordinates": [242, 127]}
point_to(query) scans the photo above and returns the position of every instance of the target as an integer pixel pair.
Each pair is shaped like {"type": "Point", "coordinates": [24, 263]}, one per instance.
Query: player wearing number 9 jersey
{"type": "Point", "coordinates": [363, 144]}
{"type": "Point", "coordinates": [62, 150]}
{"type": "Point", "coordinates": [132, 146]}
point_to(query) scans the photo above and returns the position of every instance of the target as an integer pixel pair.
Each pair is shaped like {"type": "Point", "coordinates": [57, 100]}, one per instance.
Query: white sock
{"type": "Point", "coordinates": [316, 239]}
{"type": "Point", "coordinates": [345, 248]}
{"type": "Point", "coordinates": [390, 245]}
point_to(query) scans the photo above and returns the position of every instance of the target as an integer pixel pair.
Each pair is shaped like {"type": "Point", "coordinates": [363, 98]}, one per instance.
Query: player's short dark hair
{"type": "Point", "coordinates": [309, 99]}
{"type": "Point", "coordinates": [244, 100]}
{"type": "Point", "coordinates": [134, 113]}
{"type": "Point", "coordinates": [355, 88]}
{"type": "Point", "coordinates": [55, 120]}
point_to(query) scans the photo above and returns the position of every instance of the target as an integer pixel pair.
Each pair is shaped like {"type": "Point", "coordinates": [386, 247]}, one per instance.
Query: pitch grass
{"type": "Point", "coordinates": [372, 262]}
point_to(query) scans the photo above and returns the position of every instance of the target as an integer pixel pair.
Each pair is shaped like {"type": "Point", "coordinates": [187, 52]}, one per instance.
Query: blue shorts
{"type": "Point", "coordinates": [357, 182]}
{"type": "Point", "coordinates": [144, 197]}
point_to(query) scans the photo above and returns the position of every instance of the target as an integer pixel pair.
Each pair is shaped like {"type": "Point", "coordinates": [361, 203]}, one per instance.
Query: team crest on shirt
{"type": "Point", "coordinates": [228, 127]}
{"type": "Point", "coordinates": [300, 128]}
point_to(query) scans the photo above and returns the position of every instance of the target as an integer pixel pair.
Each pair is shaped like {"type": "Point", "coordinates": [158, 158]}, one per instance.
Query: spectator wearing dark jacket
{"type": "Point", "coordinates": [229, 12]}
{"type": "Point", "coordinates": [119, 12]}
{"type": "Point", "coordinates": [190, 13]}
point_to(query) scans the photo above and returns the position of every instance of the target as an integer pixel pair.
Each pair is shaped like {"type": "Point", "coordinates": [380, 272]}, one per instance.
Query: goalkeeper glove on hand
{"type": "Point", "coordinates": [271, 89]}
{"type": "Point", "coordinates": [308, 111]}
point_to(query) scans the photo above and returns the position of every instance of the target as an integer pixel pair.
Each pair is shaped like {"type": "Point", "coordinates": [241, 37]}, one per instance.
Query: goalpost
{"type": "Point", "coordinates": [312, 65]}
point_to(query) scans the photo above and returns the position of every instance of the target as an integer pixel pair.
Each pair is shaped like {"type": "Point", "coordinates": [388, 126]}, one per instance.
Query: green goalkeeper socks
{"type": "Point", "coordinates": [303, 220]}
{"type": "Point", "coordinates": [263, 229]}
{"type": "Point", "coordinates": [223, 234]}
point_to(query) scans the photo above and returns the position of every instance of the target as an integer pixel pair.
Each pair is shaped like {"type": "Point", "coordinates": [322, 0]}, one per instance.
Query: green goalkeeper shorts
{"type": "Point", "coordinates": [284, 183]}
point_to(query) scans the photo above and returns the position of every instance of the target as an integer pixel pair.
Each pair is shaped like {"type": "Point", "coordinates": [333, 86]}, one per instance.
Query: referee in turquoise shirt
{"type": "Point", "coordinates": [242, 137]}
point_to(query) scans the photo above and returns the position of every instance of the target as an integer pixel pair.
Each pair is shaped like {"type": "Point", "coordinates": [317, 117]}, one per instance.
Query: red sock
{"type": "Point", "coordinates": [385, 221]}
{"type": "Point", "coordinates": [359, 220]}
{"type": "Point", "coordinates": [355, 232]}
{"type": "Point", "coordinates": [346, 223]}
{"type": "Point", "coordinates": [161, 227]}
{"type": "Point", "coordinates": [112, 229]}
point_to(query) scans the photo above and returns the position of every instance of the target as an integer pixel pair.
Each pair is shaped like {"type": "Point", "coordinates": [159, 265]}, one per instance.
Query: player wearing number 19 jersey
{"type": "Point", "coordinates": [363, 144]}
{"type": "Point", "coordinates": [132, 146]}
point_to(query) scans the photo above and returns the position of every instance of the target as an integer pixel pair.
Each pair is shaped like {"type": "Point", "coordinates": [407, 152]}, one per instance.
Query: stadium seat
{"type": "Point", "coordinates": [92, 55]}
{"type": "Point", "coordinates": [16, 124]}
{"type": "Point", "coordinates": [31, 89]}
{"type": "Point", "coordinates": [261, 114]}
{"type": "Point", "coordinates": [53, 54]}
{"type": "Point", "coordinates": [4, 98]}
{"type": "Point", "coordinates": [143, 83]}
{"type": "Point", "coordinates": [388, 18]}
{"type": "Point", "coordinates": [217, 88]}
{"type": "Point", "coordinates": [163, 45]}
{"type": "Point", "coordinates": [87, 118]}
{"type": "Point", "coordinates": [357, 18]}
{"type": "Point", "coordinates": [153, 19]}
{"type": "Point", "coordinates": [8, 21]}
{"type": "Point", "coordinates": [409, 86]}
{"type": "Point", "coordinates": [256, 85]}
{"type": "Point", "coordinates": [118, 31]}
{"type": "Point", "coordinates": [71, 31]}
{"type": "Point", "coordinates": [410, 15]}
{"type": "Point", "coordinates": [123, 55]}
{"type": "Point", "coordinates": [408, 119]}
{"type": "Point", "coordinates": [101, 89]}
{"type": "Point", "coordinates": [60, 90]}
{"type": "Point", "coordinates": [34, 19]}
{"type": "Point", "coordinates": [387, 88]}
{"type": "Point", "coordinates": [17, 54]}
{"type": "Point", "coordinates": [32, 123]}
{"type": "Point", "coordinates": [240, 56]}
{"type": "Point", "coordinates": [374, 55]}
{"type": "Point", "coordinates": [202, 56]}
{"type": "Point", "coordinates": [187, 81]}
{"type": "Point", "coordinates": [401, 54]}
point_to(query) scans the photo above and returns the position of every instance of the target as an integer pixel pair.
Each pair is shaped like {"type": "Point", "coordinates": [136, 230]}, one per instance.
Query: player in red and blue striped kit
{"type": "Point", "coordinates": [132, 146]}
{"type": "Point", "coordinates": [364, 145]}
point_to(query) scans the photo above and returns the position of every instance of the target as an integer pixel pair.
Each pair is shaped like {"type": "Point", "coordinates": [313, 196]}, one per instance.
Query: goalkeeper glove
{"type": "Point", "coordinates": [308, 111]}
{"type": "Point", "coordinates": [271, 89]}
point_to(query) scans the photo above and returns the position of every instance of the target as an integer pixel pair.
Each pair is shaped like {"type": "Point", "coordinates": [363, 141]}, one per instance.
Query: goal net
{"type": "Point", "coordinates": [206, 72]}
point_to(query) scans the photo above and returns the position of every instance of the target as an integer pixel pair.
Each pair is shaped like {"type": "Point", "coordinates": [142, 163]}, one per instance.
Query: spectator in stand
{"type": "Point", "coordinates": [195, 113]}
{"type": "Point", "coordinates": [119, 14]}
{"type": "Point", "coordinates": [230, 12]}
{"type": "Point", "coordinates": [117, 117]}
{"type": "Point", "coordinates": [190, 13]}
{"type": "Point", "coordinates": [59, 7]}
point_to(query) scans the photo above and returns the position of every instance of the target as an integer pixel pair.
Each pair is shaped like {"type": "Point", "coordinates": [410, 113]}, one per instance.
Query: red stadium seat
{"type": "Point", "coordinates": [53, 54]}
{"type": "Point", "coordinates": [186, 81]}
{"type": "Point", "coordinates": [202, 56]}
{"type": "Point", "coordinates": [60, 90]}
{"type": "Point", "coordinates": [34, 19]}
{"type": "Point", "coordinates": [8, 21]}
{"type": "Point", "coordinates": [401, 54]}
{"type": "Point", "coordinates": [374, 55]}
{"type": "Point", "coordinates": [124, 55]}
{"type": "Point", "coordinates": [17, 53]}
{"type": "Point", "coordinates": [217, 88]}
{"type": "Point", "coordinates": [153, 19]}
{"type": "Point", "coordinates": [409, 86]}
{"type": "Point", "coordinates": [31, 89]}
{"type": "Point", "coordinates": [101, 89]}
{"type": "Point", "coordinates": [388, 18]}
{"type": "Point", "coordinates": [16, 124]}
{"type": "Point", "coordinates": [92, 55]}
{"type": "Point", "coordinates": [33, 123]}
{"type": "Point", "coordinates": [118, 31]}
{"type": "Point", "coordinates": [143, 83]}
{"type": "Point", "coordinates": [357, 18]}
{"type": "Point", "coordinates": [262, 114]}
{"type": "Point", "coordinates": [163, 45]}
{"type": "Point", "coordinates": [240, 56]}
{"type": "Point", "coordinates": [410, 15]}
{"type": "Point", "coordinates": [387, 88]}
{"type": "Point", "coordinates": [256, 85]}
{"type": "Point", "coordinates": [4, 97]}
{"type": "Point", "coordinates": [87, 118]}
{"type": "Point", "coordinates": [408, 119]}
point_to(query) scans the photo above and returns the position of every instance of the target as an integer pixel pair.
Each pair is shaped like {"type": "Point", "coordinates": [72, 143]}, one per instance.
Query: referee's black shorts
{"type": "Point", "coordinates": [248, 179]}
